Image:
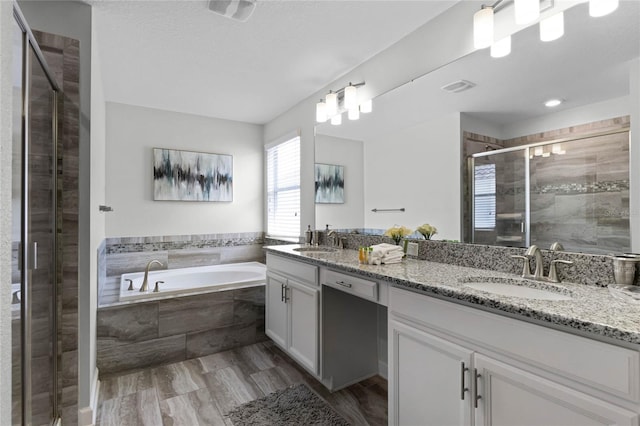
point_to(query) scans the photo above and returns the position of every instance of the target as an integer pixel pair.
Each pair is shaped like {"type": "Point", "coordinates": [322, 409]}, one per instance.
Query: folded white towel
{"type": "Point", "coordinates": [386, 248]}
{"type": "Point", "coordinates": [391, 261]}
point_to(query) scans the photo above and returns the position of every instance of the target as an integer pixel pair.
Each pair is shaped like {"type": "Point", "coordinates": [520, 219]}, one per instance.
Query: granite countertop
{"type": "Point", "coordinates": [591, 310]}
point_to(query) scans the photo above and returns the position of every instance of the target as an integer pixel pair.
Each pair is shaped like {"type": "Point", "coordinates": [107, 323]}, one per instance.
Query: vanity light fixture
{"type": "Point", "coordinates": [599, 8]}
{"type": "Point", "coordinates": [344, 99]}
{"type": "Point", "coordinates": [551, 103]}
{"type": "Point", "coordinates": [321, 112]}
{"type": "Point", "coordinates": [483, 27]}
{"type": "Point", "coordinates": [552, 28]}
{"type": "Point", "coordinates": [501, 48]}
{"type": "Point", "coordinates": [526, 11]}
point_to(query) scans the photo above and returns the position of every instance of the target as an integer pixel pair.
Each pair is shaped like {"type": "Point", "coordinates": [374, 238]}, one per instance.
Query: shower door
{"type": "Point", "coordinates": [499, 198]}
{"type": "Point", "coordinates": [35, 395]}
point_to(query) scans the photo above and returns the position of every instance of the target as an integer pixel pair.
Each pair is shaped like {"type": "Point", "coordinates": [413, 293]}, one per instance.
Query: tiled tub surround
{"type": "Point", "coordinates": [588, 269]}
{"type": "Point", "coordinates": [592, 311]}
{"type": "Point", "coordinates": [131, 254]}
{"type": "Point", "coordinates": [144, 334]}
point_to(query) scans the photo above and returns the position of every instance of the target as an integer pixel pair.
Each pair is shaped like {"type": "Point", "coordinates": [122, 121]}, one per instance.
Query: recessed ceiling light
{"type": "Point", "coordinates": [458, 86]}
{"type": "Point", "coordinates": [553, 103]}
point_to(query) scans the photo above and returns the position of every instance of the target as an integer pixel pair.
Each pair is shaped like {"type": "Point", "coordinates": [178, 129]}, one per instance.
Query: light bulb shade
{"type": "Point", "coordinates": [350, 97]}
{"type": "Point", "coordinates": [321, 112]}
{"type": "Point", "coordinates": [552, 28]}
{"type": "Point", "coordinates": [483, 28]}
{"type": "Point", "coordinates": [501, 48]}
{"type": "Point", "coordinates": [366, 107]}
{"type": "Point", "coordinates": [354, 113]}
{"type": "Point", "coordinates": [526, 11]}
{"type": "Point", "coordinates": [332, 104]}
{"type": "Point", "coordinates": [599, 8]}
{"type": "Point", "coordinates": [336, 120]}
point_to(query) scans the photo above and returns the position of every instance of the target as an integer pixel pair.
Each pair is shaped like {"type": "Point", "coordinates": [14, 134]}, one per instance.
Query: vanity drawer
{"type": "Point", "coordinates": [357, 286]}
{"type": "Point", "coordinates": [299, 270]}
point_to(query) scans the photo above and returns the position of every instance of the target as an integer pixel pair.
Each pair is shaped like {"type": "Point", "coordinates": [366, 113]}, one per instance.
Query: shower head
{"type": "Point", "coordinates": [238, 10]}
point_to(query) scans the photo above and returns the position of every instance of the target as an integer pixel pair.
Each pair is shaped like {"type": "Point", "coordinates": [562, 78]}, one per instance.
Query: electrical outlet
{"type": "Point", "coordinates": [412, 249]}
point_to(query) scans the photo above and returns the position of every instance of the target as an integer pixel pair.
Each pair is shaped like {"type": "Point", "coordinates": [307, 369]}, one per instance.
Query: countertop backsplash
{"type": "Point", "coordinates": [587, 269]}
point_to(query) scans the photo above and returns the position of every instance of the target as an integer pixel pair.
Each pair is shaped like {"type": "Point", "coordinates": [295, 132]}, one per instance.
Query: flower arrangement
{"type": "Point", "coordinates": [427, 231]}
{"type": "Point", "coordinates": [397, 233]}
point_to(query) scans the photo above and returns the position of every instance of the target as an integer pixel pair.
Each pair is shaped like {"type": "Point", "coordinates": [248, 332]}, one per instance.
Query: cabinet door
{"type": "Point", "coordinates": [429, 379]}
{"type": "Point", "coordinates": [276, 309]}
{"type": "Point", "coordinates": [510, 397]}
{"type": "Point", "coordinates": [303, 324]}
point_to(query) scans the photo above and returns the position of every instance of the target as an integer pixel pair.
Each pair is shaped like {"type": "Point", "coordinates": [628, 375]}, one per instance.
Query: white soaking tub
{"type": "Point", "coordinates": [190, 280]}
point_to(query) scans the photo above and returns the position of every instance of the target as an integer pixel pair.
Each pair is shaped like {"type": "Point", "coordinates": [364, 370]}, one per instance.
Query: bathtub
{"type": "Point", "coordinates": [189, 280]}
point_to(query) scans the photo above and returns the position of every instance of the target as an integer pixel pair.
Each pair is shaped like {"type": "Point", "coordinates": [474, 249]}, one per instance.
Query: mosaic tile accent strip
{"type": "Point", "coordinates": [178, 242]}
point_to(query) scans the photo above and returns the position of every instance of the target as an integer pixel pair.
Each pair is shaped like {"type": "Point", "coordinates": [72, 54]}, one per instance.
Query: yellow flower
{"type": "Point", "coordinates": [427, 230]}
{"type": "Point", "coordinates": [398, 233]}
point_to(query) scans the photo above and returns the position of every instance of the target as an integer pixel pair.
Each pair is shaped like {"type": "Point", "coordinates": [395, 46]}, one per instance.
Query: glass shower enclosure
{"type": "Point", "coordinates": [575, 191]}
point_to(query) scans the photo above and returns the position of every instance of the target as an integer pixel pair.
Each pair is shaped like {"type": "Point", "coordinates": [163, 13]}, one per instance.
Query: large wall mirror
{"type": "Point", "coordinates": [572, 161]}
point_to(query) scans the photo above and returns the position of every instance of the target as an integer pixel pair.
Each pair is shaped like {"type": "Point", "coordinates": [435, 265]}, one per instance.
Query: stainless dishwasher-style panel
{"type": "Point", "coordinates": [349, 284]}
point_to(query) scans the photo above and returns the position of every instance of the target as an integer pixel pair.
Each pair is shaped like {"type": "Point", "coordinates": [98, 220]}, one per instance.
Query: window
{"type": "Point", "coordinates": [484, 206]}
{"type": "Point", "coordinates": [283, 188]}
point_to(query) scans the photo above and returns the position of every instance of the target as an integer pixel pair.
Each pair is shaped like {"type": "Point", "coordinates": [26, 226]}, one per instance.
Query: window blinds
{"type": "Point", "coordinates": [484, 206]}
{"type": "Point", "coordinates": [283, 189]}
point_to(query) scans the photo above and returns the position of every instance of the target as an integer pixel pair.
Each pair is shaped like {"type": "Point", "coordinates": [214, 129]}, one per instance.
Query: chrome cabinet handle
{"type": "Point", "coordinates": [286, 298]}
{"type": "Point", "coordinates": [130, 284]}
{"type": "Point", "coordinates": [282, 293]}
{"type": "Point", "coordinates": [343, 284]}
{"type": "Point", "coordinates": [35, 255]}
{"type": "Point", "coordinates": [476, 377]}
{"type": "Point", "coordinates": [156, 289]}
{"type": "Point", "coordinates": [463, 389]}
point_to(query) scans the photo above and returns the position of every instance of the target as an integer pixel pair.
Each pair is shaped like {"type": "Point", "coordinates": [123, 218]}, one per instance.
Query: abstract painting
{"type": "Point", "coordinates": [329, 184]}
{"type": "Point", "coordinates": [192, 176]}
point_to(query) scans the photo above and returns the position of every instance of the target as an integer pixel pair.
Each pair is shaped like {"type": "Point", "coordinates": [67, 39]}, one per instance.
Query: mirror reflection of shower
{"type": "Point", "coordinates": [574, 190]}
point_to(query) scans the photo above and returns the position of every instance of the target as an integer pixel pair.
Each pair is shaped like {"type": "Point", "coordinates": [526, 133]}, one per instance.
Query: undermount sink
{"type": "Point", "coordinates": [315, 249]}
{"type": "Point", "coordinates": [521, 288]}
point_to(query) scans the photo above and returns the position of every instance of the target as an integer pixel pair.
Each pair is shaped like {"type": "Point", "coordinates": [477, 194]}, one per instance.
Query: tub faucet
{"type": "Point", "coordinates": [535, 251]}
{"type": "Point", "coordinates": [146, 274]}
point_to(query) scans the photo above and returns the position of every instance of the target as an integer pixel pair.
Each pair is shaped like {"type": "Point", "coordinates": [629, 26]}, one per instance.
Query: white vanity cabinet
{"type": "Point", "coordinates": [292, 306]}
{"type": "Point", "coordinates": [454, 365]}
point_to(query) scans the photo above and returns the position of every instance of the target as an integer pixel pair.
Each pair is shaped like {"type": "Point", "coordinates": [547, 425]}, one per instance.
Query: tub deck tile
{"type": "Point", "coordinates": [195, 313]}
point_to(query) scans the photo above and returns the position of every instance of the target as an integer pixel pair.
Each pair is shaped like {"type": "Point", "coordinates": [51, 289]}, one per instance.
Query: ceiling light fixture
{"type": "Point", "coordinates": [551, 103]}
{"type": "Point", "coordinates": [344, 99]}
{"type": "Point", "coordinates": [552, 28]}
{"type": "Point", "coordinates": [599, 8]}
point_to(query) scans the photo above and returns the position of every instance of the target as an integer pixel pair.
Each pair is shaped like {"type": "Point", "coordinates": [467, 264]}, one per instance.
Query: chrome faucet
{"type": "Point", "coordinates": [331, 238]}
{"type": "Point", "coordinates": [537, 254]}
{"type": "Point", "coordinates": [145, 282]}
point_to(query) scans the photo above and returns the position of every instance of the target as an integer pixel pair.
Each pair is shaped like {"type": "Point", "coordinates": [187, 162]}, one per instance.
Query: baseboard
{"type": "Point", "coordinates": [383, 369]}
{"type": "Point", "coordinates": [87, 415]}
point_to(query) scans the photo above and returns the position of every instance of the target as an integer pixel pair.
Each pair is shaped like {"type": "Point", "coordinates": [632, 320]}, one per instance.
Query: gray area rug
{"type": "Point", "coordinates": [293, 406]}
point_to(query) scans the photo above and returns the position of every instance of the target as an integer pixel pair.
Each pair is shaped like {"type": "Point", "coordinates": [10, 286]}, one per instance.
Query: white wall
{"type": "Point", "coordinates": [6, 33]}
{"type": "Point", "coordinates": [348, 153]}
{"type": "Point", "coordinates": [417, 168]}
{"type": "Point", "coordinates": [417, 54]}
{"type": "Point", "coordinates": [634, 156]}
{"type": "Point", "coordinates": [132, 133]}
{"type": "Point", "coordinates": [481, 127]}
{"type": "Point", "coordinates": [571, 117]}
{"type": "Point", "coordinates": [97, 197]}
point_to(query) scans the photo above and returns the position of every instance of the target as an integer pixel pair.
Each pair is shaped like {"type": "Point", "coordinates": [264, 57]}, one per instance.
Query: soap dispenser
{"type": "Point", "coordinates": [308, 235]}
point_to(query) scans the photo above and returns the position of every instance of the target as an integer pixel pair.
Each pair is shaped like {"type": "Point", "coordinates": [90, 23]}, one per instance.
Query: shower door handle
{"type": "Point", "coordinates": [35, 255]}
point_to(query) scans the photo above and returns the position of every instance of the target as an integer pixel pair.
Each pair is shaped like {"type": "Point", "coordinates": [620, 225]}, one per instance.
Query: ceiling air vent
{"type": "Point", "coordinates": [458, 86]}
{"type": "Point", "coordinates": [238, 10]}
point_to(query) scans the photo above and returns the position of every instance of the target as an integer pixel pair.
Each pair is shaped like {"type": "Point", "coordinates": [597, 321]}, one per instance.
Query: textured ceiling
{"type": "Point", "coordinates": [179, 56]}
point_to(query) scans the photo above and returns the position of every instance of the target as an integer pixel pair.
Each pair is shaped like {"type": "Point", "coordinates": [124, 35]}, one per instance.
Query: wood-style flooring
{"type": "Point", "coordinates": [202, 391]}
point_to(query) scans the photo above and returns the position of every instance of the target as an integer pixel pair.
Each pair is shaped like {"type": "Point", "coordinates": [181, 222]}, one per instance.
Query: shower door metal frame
{"type": "Point", "coordinates": [27, 251]}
